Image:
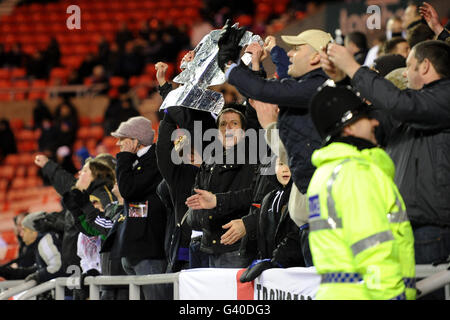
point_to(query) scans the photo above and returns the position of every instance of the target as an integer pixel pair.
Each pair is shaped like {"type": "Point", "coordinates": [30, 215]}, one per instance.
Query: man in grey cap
{"type": "Point", "coordinates": [48, 263]}
{"type": "Point", "coordinates": [140, 242]}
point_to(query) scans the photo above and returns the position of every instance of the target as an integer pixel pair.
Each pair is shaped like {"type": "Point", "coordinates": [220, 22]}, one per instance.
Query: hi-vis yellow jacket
{"type": "Point", "coordinates": [360, 237]}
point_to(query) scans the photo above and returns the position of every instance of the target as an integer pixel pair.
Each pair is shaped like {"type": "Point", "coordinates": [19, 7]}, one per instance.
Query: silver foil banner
{"type": "Point", "coordinates": [201, 73]}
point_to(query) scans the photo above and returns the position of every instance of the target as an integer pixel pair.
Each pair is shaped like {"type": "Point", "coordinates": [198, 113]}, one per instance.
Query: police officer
{"type": "Point", "coordinates": [360, 237]}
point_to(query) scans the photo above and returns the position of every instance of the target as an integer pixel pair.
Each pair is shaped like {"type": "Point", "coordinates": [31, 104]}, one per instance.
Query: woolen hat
{"type": "Point", "coordinates": [139, 128]}
{"type": "Point", "coordinates": [28, 221]}
{"type": "Point", "coordinates": [389, 62]}
{"type": "Point", "coordinates": [332, 108]}
{"type": "Point", "coordinates": [314, 37]}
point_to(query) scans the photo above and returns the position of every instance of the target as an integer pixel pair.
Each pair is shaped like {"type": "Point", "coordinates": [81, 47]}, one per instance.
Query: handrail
{"type": "Point", "coordinates": [4, 285]}
{"type": "Point", "coordinates": [134, 282]}
{"type": "Point", "coordinates": [41, 288]}
{"type": "Point", "coordinates": [17, 289]}
{"type": "Point", "coordinates": [435, 277]}
{"type": "Point", "coordinates": [434, 282]}
{"type": "Point", "coordinates": [426, 270]}
{"type": "Point", "coordinates": [94, 282]}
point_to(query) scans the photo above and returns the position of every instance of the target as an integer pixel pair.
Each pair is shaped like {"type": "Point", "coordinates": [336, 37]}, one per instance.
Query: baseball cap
{"type": "Point", "coordinates": [314, 37]}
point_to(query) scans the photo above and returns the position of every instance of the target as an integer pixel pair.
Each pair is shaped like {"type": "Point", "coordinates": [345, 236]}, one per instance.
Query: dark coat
{"type": "Point", "coordinates": [278, 236]}
{"type": "Point", "coordinates": [418, 141]}
{"type": "Point", "coordinates": [179, 177]}
{"type": "Point", "coordinates": [296, 129]}
{"type": "Point", "coordinates": [63, 181]}
{"type": "Point", "coordinates": [138, 177]}
{"type": "Point", "coordinates": [47, 248]}
{"type": "Point", "coordinates": [265, 182]}
{"type": "Point", "coordinates": [232, 184]}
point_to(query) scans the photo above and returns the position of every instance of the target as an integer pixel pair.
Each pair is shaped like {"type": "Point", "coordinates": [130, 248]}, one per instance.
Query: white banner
{"type": "Point", "coordinates": [272, 284]}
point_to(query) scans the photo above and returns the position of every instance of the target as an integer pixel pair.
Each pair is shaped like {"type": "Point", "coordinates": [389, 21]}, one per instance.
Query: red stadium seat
{"type": "Point", "coordinates": [58, 72]}
{"type": "Point", "coordinates": [142, 92]}
{"type": "Point", "coordinates": [21, 171]}
{"type": "Point", "coordinates": [12, 160]}
{"type": "Point", "coordinates": [146, 80]}
{"type": "Point", "coordinates": [4, 74]}
{"type": "Point", "coordinates": [116, 81]}
{"type": "Point", "coordinates": [7, 172]}
{"type": "Point", "coordinates": [133, 81]}
{"type": "Point", "coordinates": [20, 93]}
{"type": "Point", "coordinates": [18, 73]}
{"type": "Point", "coordinates": [83, 133]}
{"type": "Point", "coordinates": [96, 132]}
{"type": "Point", "coordinates": [26, 159]}
{"type": "Point", "coordinates": [25, 135]}
{"type": "Point", "coordinates": [16, 124]}
{"type": "Point", "coordinates": [5, 95]}
{"type": "Point", "coordinates": [3, 185]}
{"type": "Point", "coordinates": [32, 170]}
{"type": "Point", "coordinates": [85, 121]}
{"type": "Point", "coordinates": [97, 120]}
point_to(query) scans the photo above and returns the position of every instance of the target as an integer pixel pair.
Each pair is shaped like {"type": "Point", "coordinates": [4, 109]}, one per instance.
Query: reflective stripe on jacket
{"type": "Point", "coordinates": [360, 237]}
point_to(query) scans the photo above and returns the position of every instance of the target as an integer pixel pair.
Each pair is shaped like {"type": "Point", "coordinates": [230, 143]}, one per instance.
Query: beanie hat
{"type": "Point", "coordinates": [139, 128]}
{"type": "Point", "coordinates": [389, 62]}
{"type": "Point", "coordinates": [28, 221]}
{"type": "Point", "coordinates": [332, 108]}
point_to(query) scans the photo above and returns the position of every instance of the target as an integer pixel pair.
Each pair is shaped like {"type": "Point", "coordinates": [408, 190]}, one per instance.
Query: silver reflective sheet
{"type": "Point", "coordinates": [201, 73]}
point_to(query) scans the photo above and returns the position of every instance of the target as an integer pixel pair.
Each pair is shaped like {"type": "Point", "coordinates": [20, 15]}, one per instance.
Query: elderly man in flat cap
{"type": "Point", "coordinates": [140, 241]}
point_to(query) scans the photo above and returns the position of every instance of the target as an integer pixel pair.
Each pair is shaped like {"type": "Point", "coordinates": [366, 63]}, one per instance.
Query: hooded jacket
{"type": "Point", "coordinates": [360, 236]}
{"type": "Point", "coordinates": [278, 236]}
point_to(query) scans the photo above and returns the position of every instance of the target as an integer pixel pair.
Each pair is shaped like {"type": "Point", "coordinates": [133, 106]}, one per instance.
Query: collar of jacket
{"type": "Point", "coordinates": [313, 73]}
{"type": "Point", "coordinates": [435, 82]}
{"type": "Point", "coordinates": [338, 151]}
{"type": "Point", "coordinates": [354, 141]}
{"type": "Point", "coordinates": [143, 151]}
{"type": "Point", "coordinates": [101, 189]}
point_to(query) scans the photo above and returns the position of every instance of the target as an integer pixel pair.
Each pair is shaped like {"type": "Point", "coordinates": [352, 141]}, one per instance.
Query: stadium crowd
{"type": "Point", "coordinates": [357, 183]}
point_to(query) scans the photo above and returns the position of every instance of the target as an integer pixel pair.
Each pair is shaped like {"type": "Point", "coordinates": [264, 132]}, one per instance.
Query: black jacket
{"type": "Point", "coordinates": [265, 182]}
{"type": "Point", "coordinates": [278, 236]}
{"type": "Point", "coordinates": [138, 177]}
{"type": "Point", "coordinates": [232, 184]}
{"type": "Point", "coordinates": [47, 260]}
{"type": "Point", "coordinates": [179, 177]}
{"type": "Point", "coordinates": [296, 129]}
{"type": "Point", "coordinates": [63, 181]}
{"type": "Point", "coordinates": [418, 140]}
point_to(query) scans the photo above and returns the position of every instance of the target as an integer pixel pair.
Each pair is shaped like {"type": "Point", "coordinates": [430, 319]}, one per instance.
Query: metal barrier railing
{"type": "Point", "coordinates": [5, 285]}
{"type": "Point", "coordinates": [435, 277]}
{"type": "Point", "coordinates": [94, 283]}
{"type": "Point", "coordinates": [12, 291]}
